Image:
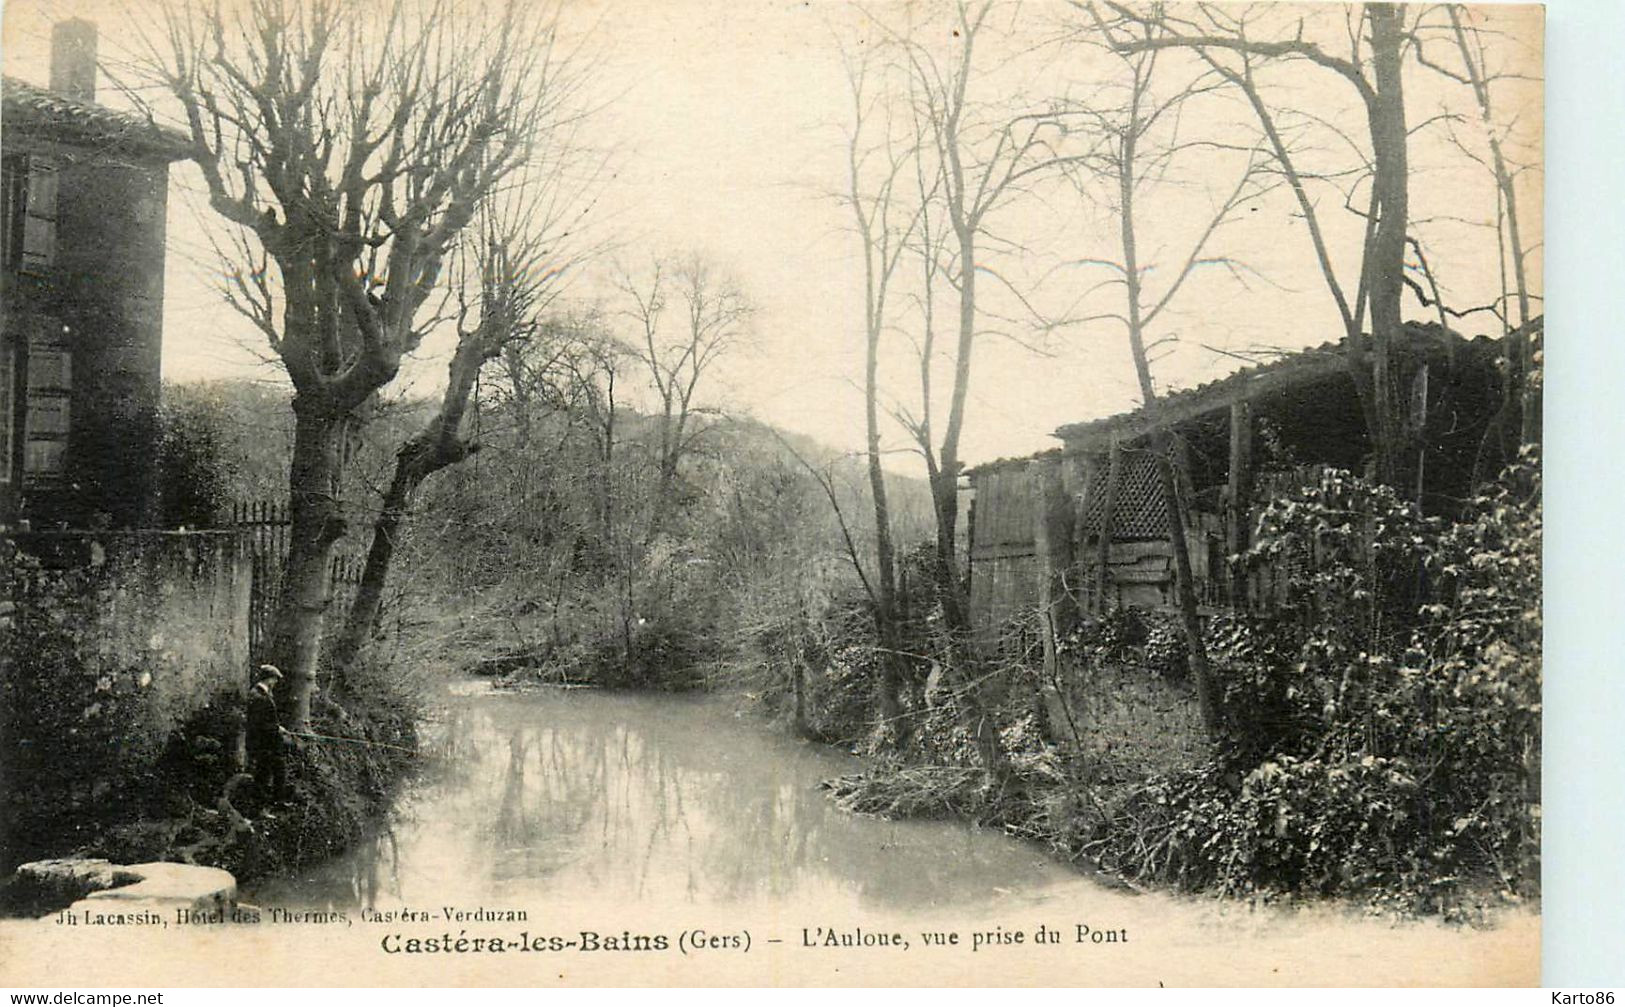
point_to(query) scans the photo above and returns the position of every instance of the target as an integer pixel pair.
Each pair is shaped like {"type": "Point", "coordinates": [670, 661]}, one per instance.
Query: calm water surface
{"type": "Point", "coordinates": [606, 811]}
{"type": "Point", "coordinates": [543, 796]}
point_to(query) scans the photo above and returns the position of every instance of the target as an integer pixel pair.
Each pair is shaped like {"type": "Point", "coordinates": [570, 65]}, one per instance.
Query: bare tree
{"type": "Point", "coordinates": [971, 161]}
{"type": "Point", "coordinates": [975, 165]}
{"type": "Point", "coordinates": [884, 227]}
{"type": "Point", "coordinates": [1138, 147]}
{"type": "Point", "coordinates": [1520, 406]}
{"type": "Point", "coordinates": [596, 368]}
{"type": "Point", "coordinates": [352, 144]}
{"type": "Point", "coordinates": [677, 354]}
{"type": "Point", "coordinates": [1377, 35]}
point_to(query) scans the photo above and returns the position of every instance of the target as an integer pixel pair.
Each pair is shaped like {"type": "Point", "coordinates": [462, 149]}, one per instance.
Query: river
{"type": "Point", "coordinates": [697, 836]}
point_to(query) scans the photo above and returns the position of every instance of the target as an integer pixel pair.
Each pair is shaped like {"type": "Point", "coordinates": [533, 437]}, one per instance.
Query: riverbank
{"type": "Point", "coordinates": [193, 808]}
{"type": "Point", "coordinates": [656, 815]}
{"type": "Point", "coordinates": [1074, 823]}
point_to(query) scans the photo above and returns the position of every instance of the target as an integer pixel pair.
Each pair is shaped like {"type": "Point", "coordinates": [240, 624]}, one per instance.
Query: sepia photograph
{"type": "Point", "coordinates": [924, 492]}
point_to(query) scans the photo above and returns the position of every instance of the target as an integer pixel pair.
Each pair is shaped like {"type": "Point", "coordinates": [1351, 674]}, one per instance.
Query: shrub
{"type": "Point", "coordinates": [1132, 637]}
{"type": "Point", "coordinates": [195, 474]}
{"type": "Point", "coordinates": [1383, 724]}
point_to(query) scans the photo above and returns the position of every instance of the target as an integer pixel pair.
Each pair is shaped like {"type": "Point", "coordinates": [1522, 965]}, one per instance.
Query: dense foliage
{"type": "Point", "coordinates": [1383, 718]}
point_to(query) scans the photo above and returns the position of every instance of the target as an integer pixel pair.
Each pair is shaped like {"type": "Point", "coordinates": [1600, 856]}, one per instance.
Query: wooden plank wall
{"type": "Point", "coordinates": [1007, 571]}
{"type": "Point", "coordinates": [1003, 555]}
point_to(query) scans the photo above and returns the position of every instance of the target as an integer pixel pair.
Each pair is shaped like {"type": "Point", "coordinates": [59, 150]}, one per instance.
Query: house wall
{"type": "Point", "coordinates": [102, 300]}
{"type": "Point", "coordinates": [108, 643]}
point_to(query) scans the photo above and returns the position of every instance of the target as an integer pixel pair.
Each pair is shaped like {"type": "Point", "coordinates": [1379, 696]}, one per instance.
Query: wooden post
{"type": "Point", "coordinates": [970, 552]}
{"type": "Point", "coordinates": [1052, 541]}
{"type": "Point", "coordinates": [1108, 509]}
{"type": "Point", "coordinates": [1182, 508]}
{"type": "Point", "coordinates": [1241, 495]}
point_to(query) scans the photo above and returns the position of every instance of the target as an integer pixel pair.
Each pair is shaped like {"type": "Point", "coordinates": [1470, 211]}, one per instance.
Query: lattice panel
{"type": "Point", "coordinates": [1141, 511]}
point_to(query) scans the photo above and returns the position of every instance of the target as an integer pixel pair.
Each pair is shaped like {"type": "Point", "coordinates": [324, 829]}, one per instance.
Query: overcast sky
{"type": "Point", "coordinates": [724, 132]}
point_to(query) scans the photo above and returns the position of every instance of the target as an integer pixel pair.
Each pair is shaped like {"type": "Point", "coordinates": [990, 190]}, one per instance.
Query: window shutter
{"type": "Point", "coordinates": [7, 409]}
{"type": "Point", "coordinates": [39, 220]}
{"type": "Point", "coordinates": [13, 175]}
{"type": "Point", "coordinates": [47, 412]}
{"type": "Point", "coordinates": [50, 365]}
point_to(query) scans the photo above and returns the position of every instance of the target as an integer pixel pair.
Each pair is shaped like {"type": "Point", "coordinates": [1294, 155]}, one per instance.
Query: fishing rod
{"type": "Point", "coordinates": [353, 741]}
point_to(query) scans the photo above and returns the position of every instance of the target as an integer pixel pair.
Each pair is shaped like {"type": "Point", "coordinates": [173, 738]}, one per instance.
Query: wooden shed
{"type": "Point", "coordinates": [1087, 524]}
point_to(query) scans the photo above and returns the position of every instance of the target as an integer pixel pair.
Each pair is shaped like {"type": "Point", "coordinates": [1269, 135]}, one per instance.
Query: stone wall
{"type": "Point", "coordinates": [1135, 719]}
{"type": "Point", "coordinates": [109, 642]}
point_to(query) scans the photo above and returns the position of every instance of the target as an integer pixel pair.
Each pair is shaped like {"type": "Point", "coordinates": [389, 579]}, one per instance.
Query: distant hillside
{"type": "Point", "coordinates": [255, 426]}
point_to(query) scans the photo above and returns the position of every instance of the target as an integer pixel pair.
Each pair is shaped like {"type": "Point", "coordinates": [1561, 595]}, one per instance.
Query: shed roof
{"type": "Point", "coordinates": [1303, 367]}
{"type": "Point", "coordinates": [37, 110]}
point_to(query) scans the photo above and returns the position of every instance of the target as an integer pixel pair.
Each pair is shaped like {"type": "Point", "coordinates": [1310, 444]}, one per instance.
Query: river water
{"type": "Point", "coordinates": [564, 795]}
{"type": "Point", "coordinates": [675, 839]}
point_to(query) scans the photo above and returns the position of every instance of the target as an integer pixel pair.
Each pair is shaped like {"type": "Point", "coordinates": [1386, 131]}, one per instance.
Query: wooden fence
{"type": "Point", "coordinates": [267, 525]}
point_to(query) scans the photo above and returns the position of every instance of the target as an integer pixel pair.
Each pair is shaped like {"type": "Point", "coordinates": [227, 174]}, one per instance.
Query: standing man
{"type": "Point", "coordinates": [265, 736]}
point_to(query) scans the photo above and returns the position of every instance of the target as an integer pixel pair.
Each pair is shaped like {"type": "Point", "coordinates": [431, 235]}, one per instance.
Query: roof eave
{"type": "Point", "coordinates": [1308, 365]}
{"type": "Point", "coordinates": [167, 146]}
{"type": "Point", "coordinates": [40, 113]}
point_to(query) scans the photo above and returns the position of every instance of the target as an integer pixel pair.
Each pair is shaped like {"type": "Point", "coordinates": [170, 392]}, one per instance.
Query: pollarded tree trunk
{"type": "Point", "coordinates": [416, 461]}
{"type": "Point", "coordinates": [316, 523]}
{"type": "Point", "coordinates": [363, 616]}
{"type": "Point", "coordinates": [351, 168]}
{"type": "Point", "coordinates": [438, 445]}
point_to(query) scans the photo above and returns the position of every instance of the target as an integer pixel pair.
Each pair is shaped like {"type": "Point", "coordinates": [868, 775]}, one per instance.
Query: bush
{"type": "Point", "coordinates": [195, 474]}
{"type": "Point", "coordinates": [1383, 724]}
{"type": "Point", "coordinates": [1132, 637]}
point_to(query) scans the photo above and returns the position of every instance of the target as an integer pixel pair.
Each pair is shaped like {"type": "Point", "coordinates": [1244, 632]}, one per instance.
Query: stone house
{"type": "Point", "coordinates": [115, 637]}
{"type": "Point", "coordinates": [81, 297]}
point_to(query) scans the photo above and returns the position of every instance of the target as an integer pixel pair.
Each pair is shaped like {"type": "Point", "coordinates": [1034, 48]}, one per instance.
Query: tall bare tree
{"type": "Point", "coordinates": [884, 226]}
{"type": "Point", "coordinates": [351, 144]}
{"type": "Point", "coordinates": [679, 354]}
{"type": "Point", "coordinates": [1520, 405]}
{"type": "Point", "coordinates": [972, 159]}
{"type": "Point", "coordinates": [1377, 34]}
{"type": "Point", "coordinates": [1134, 144]}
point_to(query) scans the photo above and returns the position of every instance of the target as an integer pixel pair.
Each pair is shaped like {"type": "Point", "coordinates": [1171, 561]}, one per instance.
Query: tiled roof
{"type": "Point", "coordinates": [1289, 370]}
{"type": "Point", "coordinates": [1306, 365]}
{"type": "Point", "coordinates": [33, 109]}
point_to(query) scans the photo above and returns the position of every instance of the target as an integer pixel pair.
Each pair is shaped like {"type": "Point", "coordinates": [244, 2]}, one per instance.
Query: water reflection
{"type": "Point", "coordinates": [553, 796]}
